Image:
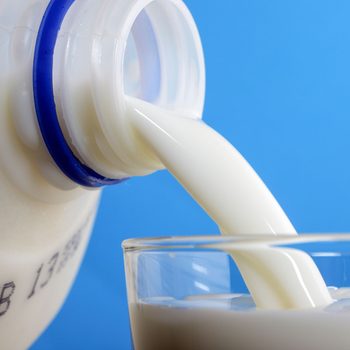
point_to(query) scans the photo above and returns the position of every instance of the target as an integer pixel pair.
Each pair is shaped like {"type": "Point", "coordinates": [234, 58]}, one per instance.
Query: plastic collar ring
{"type": "Point", "coordinates": [45, 105]}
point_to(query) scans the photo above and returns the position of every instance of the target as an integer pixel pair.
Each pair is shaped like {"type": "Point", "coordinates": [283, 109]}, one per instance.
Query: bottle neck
{"type": "Point", "coordinates": [146, 49]}
{"type": "Point", "coordinates": [102, 52]}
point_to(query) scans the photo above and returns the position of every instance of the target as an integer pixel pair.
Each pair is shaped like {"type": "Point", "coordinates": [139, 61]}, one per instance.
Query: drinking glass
{"type": "Point", "coordinates": [187, 293]}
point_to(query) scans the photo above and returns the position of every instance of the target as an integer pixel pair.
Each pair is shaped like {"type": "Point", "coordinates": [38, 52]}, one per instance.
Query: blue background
{"type": "Point", "coordinates": [278, 87]}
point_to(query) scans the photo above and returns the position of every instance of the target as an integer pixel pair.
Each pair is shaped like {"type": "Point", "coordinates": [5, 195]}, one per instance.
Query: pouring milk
{"type": "Point", "coordinates": [67, 129]}
{"type": "Point", "coordinates": [221, 180]}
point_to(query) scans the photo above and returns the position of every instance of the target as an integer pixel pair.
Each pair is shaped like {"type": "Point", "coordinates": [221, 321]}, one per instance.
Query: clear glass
{"type": "Point", "coordinates": [187, 293]}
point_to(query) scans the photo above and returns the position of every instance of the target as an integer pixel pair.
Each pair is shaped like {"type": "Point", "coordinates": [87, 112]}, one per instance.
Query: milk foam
{"type": "Point", "coordinates": [225, 185]}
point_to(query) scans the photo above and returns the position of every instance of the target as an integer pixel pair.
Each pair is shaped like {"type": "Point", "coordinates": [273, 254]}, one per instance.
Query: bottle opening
{"type": "Point", "coordinates": [142, 62]}
{"type": "Point", "coordinates": [163, 61]}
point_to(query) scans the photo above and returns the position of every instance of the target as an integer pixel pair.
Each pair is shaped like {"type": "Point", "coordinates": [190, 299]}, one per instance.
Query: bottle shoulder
{"type": "Point", "coordinates": [26, 222]}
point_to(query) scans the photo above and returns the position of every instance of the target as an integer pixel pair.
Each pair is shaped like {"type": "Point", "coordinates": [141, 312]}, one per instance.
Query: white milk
{"type": "Point", "coordinates": [232, 322]}
{"type": "Point", "coordinates": [225, 185]}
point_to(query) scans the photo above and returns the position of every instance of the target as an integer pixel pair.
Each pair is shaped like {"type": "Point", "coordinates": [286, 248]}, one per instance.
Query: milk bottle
{"type": "Point", "coordinates": [65, 68]}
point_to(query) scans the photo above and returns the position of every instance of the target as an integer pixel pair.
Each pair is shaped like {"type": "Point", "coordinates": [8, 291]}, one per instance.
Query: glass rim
{"type": "Point", "coordinates": [226, 242]}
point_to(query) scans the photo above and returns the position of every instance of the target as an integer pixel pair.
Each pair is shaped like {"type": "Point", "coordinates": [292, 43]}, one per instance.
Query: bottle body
{"type": "Point", "coordinates": [41, 250]}
{"type": "Point", "coordinates": [44, 227]}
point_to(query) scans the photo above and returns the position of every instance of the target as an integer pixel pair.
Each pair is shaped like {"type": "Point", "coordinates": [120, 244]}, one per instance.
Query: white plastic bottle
{"type": "Point", "coordinates": [65, 66]}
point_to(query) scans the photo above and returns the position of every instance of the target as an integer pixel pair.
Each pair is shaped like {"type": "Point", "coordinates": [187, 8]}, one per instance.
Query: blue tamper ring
{"type": "Point", "coordinates": [44, 100]}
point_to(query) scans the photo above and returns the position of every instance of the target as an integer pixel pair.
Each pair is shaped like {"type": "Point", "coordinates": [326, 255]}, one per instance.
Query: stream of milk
{"type": "Point", "coordinates": [233, 195]}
